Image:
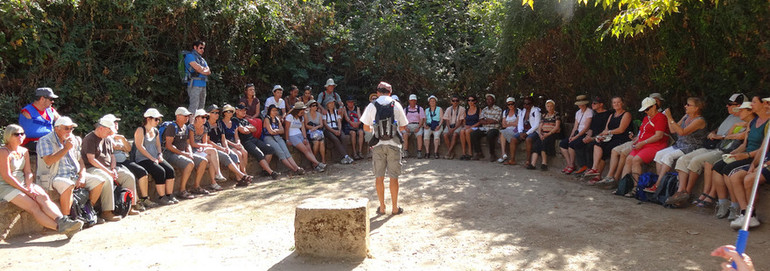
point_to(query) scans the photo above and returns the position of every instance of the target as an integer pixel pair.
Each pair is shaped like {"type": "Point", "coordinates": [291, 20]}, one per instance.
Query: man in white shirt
{"type": "Point", "coordinates": [386, 154]}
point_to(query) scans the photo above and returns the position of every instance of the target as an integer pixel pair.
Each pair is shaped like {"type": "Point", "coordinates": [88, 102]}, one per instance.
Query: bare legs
{"type": "Point", "coordinates": [380, 186]}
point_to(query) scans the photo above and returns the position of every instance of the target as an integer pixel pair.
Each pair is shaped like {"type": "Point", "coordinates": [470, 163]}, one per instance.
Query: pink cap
{"type": "Point", "coordinates": [385, 86]}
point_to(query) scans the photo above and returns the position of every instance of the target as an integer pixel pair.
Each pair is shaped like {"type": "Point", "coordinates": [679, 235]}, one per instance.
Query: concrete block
{"type": "Point", "coordinates": [332, 228]}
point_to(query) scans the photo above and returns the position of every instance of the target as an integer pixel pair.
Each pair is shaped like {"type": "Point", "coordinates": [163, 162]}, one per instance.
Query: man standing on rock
{"type": "Point", "coordinates": [199, 71]}
{"type": "Point", "coordinates": [385, 118]}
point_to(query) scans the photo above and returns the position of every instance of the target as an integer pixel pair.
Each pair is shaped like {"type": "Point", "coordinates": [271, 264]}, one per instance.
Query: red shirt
{"type": "Point", "coordinates": [648, 129]}
{"type": "Point", "coordinates": [257, 123]}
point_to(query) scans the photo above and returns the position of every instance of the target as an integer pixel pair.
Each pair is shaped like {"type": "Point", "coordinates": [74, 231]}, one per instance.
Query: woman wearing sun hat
{"type": "Point", "coordinates": [575, 138]}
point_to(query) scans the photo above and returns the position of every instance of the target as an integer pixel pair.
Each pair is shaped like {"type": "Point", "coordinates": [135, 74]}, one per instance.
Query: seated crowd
{"type": "Point", "coordinates": [227, 136]}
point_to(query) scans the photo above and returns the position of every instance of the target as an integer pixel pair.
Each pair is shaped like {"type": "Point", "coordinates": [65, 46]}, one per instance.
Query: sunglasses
{"type": "Point", "coordinates": [18, 134]}
{"type": "Point", "coordinates": [471, 100]}
{"type": "Point", "coordinates": [156, 119]}
{"type": "Point", "coordinates": [203, 117]}
{"type": "Point", "coordinates": [510, 104]}
{"type": "Point", "coordinates": [313, 105]}
{"type": "Point", "coordinates": [230, 111]}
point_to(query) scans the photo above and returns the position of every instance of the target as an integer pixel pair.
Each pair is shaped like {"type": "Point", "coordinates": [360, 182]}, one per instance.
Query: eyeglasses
{"type": "Point", "coordinates": [18, 134]}
{"type": "Point", "coordinates": [454, 101]}
{"type": "Point", "coordinates": [510, 104]}
{"type": "Point", "coordinates": [70, 128]}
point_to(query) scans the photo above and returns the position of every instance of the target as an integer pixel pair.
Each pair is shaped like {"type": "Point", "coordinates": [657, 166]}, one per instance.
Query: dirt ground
{"type": "Point", "coordinates": [459, 215]}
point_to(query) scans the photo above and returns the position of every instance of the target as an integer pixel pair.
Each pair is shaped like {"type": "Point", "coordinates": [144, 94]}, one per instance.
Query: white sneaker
{"type": "Point", "coordinates": [737, 224]}
{"type": "Point", "coordinates": [502, 159]}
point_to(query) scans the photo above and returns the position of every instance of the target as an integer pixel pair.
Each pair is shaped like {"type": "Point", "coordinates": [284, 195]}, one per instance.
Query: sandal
{"type": "Point", "coordinates": [708, 202]}
{"type": "Point", "coordinates": [510, 162]}
{"type": "Point", "coordinates": [380, 212]}
{"type": "Point", "coordinates": [400, 211]}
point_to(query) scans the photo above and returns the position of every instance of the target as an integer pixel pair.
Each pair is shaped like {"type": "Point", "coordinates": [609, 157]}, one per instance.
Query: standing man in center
{"type": "Point", "coordinates": [490, 126]}
{"type": "Point", "coordinates": [198, 71]}
{"type": "Point", "coordinates": [386, 154]}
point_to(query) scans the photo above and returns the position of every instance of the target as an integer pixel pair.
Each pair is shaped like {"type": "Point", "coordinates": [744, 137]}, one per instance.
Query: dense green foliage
{"type": "Point", "coordinates": [120, 56]}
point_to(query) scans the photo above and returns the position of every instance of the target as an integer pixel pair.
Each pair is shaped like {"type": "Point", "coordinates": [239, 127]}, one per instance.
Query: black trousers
{"type": "Point", "coordinates": [491, 135]}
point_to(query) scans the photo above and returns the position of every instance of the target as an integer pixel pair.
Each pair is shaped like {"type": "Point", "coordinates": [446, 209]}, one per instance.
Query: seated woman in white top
{"type": "Point", "coordinates": [276, 101]}
{"type": "Point", "coordinates": [509, 128]}
{"type": "Point", "coordinates": [295, 124]}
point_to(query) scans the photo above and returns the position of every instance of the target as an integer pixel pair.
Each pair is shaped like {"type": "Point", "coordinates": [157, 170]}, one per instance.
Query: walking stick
{"type": "Point", "coordinates": [743, 233]}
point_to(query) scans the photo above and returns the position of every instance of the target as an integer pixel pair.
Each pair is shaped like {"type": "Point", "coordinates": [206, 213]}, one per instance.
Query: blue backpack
{"type": "Point", "coordinates": [162, 129]}
{"type": "Point", "coordinates": [646, 180]}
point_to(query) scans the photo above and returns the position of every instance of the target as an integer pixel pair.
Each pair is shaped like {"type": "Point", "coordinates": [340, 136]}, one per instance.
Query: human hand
{"type": "Point", "coordinates": [81, 182]}
{"type": "Point", "coordinates": [742, 262]}
{"type": "Point", "coordinates": [68, 143]}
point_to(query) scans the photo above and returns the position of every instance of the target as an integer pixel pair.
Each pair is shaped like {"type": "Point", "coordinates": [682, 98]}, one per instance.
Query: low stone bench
{"type": "Point", "coordinates": [332, 228]}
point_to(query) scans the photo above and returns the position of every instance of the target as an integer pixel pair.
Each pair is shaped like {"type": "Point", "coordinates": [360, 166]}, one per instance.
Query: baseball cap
{"type": "Point", "coordinates": [109, 122]}
{"type": "Point", "coordinates": [510, 100]}
{"type": "Point", "coordinates": [201, 112]}
{"type": "Point", "coordinates": [66, 121]}
{"type": "Point", "coordinates": [240, 106]}
{"type": "Point", "coordinates": [395, 97]}
{"type": "Point", "coordinates": [412, 97]}
{"type": "Point", "coordinates": [182, 111]}
{"type": "Point", "coordinates": [45, 92]}
{"type": "Point", "coordinates": [745, 105]}
{"type": "Point", "coordinates": [152, 113]}
{"type": "Point", "coordinates": [737, 98]}
{"type": "Point", "coordinates": [646, 103]}
{"type": "Point", "coordinates": [212, 108]}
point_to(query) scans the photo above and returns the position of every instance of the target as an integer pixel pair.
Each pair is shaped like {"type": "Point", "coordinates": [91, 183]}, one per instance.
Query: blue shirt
{"type": "Point", "coordinates": [191, 57]}
{"type": "Point", "coordinates": [67, 166]}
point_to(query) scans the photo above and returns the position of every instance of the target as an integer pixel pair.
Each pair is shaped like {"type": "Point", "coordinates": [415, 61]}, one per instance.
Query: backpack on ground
{"type": "Point", "coordinates": [81, 208]}
{"type": "Point", "coordinates": [123, 199]}
{"type": "Point", "coordinates": [646, 180]}
{"type": "Point", "coordinates": [162, 129]}
{"type": "Point", "coordinates": [385, 126]}
{"type": "Point", "coordinates": [667, 187]}
{"type": "Point", "coordinates": [625, 184]}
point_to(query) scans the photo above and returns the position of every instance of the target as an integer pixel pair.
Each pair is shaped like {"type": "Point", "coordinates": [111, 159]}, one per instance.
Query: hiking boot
{"type": "Point", "coordinates": [148, 204]}
{"type": "Point", "coordinates": [502, 159]}
{"type": "Point", "coordinates": [139, 206]}
{"type": "Point", "coordinates": [734, 213]}
{"type": "Point", "coordinates": [723, 209]}
{"type": "Point", "coordinates": [275, 175]}
{"type": "Point", "coordinates": [319, 168]}
{"type": "Point", "coordinates": [109, 216]}
{"type": "Point", "coordinates": [68, 226]}
{"type": "Point", "coordinates": [322, 165]}
{"type": "Point", "coordinates": [543, 167]}
{"type": "Point", "coordinates": [737, 224]}
{"type": "Point", "coordinates": [419, 154]}
{"type": "Point", "coordinates": [435, 156]}
{"type": "Point", "coordinates": [165, 200]}
{"type": "Point", "coordinates": [185, 195]}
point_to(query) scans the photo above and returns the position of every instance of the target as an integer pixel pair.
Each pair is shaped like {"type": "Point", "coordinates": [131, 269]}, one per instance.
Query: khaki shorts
{"type": "Point", "coordinates": [414, 128]}
{"type": "Point", "coordinates": [695, 160]}
{"type": "Point", "coordinates": [386, 157]}
{"type": "Point", "coordinates": [61, 184]}
{"type": "Point", "coordinates": [624, 149]}
{"type": "Point", "coordinates": [457, 131]}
